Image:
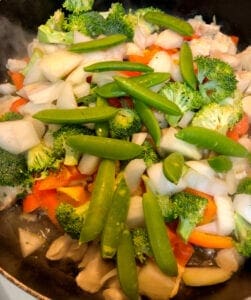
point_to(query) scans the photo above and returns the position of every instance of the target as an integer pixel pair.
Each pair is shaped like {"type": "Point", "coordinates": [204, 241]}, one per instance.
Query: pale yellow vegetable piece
{"type": "Point", "coordinates": [204, 276]}
{"type": "Point", "coordinates": [76, 193]}
{"type": "Point", "coordinates": [155, 284]}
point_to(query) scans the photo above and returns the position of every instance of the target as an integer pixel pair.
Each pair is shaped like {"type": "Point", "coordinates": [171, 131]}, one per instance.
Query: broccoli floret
{"type": "Point", "coordinates": [78, 6]}
{"type": "Point", "coordinates": [139, 20]}
{"type": "Point", "coordinates": [124, 123]}
{"type": "Point", "coordinates": [52, 31]}
{"type": "Point", "coordinates": [56, 21]}
{"type": "Point", "coordinates": [60, 147]}
{"type": "Point", "coordinates": [42, 159]}
{"type": "Point", "coordinates": [149, 155]}
{"type": "Point", "coordinates": [71, 218]}
{"type": "Point", "coordinates": [118, 21]}
{"type": "Point", "coordinates": [164, 204]}
{"type": "Point", "coordinates": [216, 78]}
{"type": "Point", "coordinates": [182, 95]}
{"type": "Point", "coordinates": [244, 186]}
{"type": "Point", "coordinates": [89, 23]}
{"type": "Point", "coordinates": [218, 117]}
{"type": "Point", "coordinates": [243, 235]}
{"type": "Point", "coordinates": [11, 116]}
{"type": "Point", "coordinates": [13, 168]}
{"type": "Point", "coordinates": [188, 208]}
{"type": "Point", "coordinates": [141, 244]}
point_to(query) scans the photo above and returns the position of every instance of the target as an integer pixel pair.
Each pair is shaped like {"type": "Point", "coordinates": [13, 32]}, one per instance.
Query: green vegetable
{"type": "Point", "coordinates": [164, 204]}
{"type": "Point", "coordinates": [115, 65]}
{"type": "Point", "coordinates": [141, 93]}
{"type": "Point", "coordinates": [159, 241]}
{"type": "Point", "coordinates": [105, 147]}
{"type": "Point", "coordinates": [115, 221]}
{"type": "Point", "coordinates": [46, 35]}
{"type": "Point", "coordinates": [183, 96]}
{"type": "Point", "coordinates": [41, 158]}
{"type": "Point", "coordinates": [218, 117]}
{"type": "Point", "coordinates": [220, 163]}
{"type": "Point", "coordinates": [89, 23]}
{"type": "Point", "coordinates": [186, 66]}
{"type": "Point", "coordinates": [188, 209]}
{"type": "Point", "coordinates": [71, 218]}
{"type": "Point", "coordinates": [10, 116]}
{"type": "Point", "coordinates": [102, 128]}
{"type": "Point", "coordinates": [173, 166]}
{"type": "Point", "coordinates": [13, 168]}
{"type": "Point", "coordinates": [78, 115]}
{"type": "Point", "coordinates": [148, 118]}
{"type": "Point", "coordinates": [244, 186]}
{"type": "Point", "coordinates": [141, 244]}
{"type": "Point", "coordinates": [52, 31]}
{"type": "Point", "coordinates": [216, 79]}
{"type": "Point", "coordinates": [86, 100]}
{"type": "Point", "coordinates": [126, 266]}
{"type": "Point", "coordinates": [112, 89]}
{"type": "Point", "coordinates": [100, 202]}
{"type": "Point", "coordinates": [212, 140]}
{"type": "Point", "coordinates": [98, 44]}
{"type": "Point", "coordinates": [78, 6]}
{"type": "Point", "coordinates": [137, 18]}
{"type": "Point", "coordinates": [63, 151]}
{"type": "Point", "coordinates": [149, 154]}
{"type": "Point", "coordinates": [56, 21]}
{"type": "Point", "coordinates": [124, 123]}
{"type": "Point", "coordinates": [119, 22]}
{"type": "Point", "coordinates": [167, 21]}
{"type": "Point", "coordinates": [243, 235]}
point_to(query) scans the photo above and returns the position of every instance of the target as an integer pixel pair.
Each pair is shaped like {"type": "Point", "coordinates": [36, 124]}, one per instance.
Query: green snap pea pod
{"type": "Point", "coordinates": [141, 93]}
{"type": "Point", "coordinates": [76, 115]}
{"type": "Point", "coordinates": [112, 89]}
{"type": "Point", "coordinates": [158, 237]}
{"type": "Point", "coordinates": [115, 221]}
{"type": "Point", "coordinates": [105, 147]}
{"type": "Point", "coordinates": [186, 66]}
{"type": "Point", "coordinates": [148, 118]}
{"type": "Point", "coordinates": [212, 140]}
{"type": "Point", "coordinates": [118, 66]}
{"type": "Point", "coordinates": [101, 128]}
{"type": "Point", "coordinates": [86, 100]}
{"type": "Point", "coordinates": [100, 202]}
{"type": "Point", "coordinates": [173, 166]}
{"type": "Point", "coordinates": [126, 266]}
{"type": "Point", "coordinates": [164, 20]}
{"type": "Point", "coordinates": [220, 163]}
{"type": "Point", "coordinates": [98, 44]}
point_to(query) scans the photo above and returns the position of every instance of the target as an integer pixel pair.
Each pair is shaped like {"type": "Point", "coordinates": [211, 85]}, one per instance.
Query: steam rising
{"type": "Point", "coordinates": [14, 42]}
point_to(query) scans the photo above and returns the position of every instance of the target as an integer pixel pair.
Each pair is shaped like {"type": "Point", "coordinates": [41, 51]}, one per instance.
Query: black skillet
{"type": "Point", "coordinates": [35, 274]}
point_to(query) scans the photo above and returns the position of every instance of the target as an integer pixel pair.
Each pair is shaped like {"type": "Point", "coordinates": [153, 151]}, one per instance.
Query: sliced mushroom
{"type": "Point", "coordinates": [8, 196]}
{"type": "Point", "coordinates": [114, 294]}
{"type": "Point", "coordinates": [76, 251]}
{"type": "Point", "coordinates": [90, 278]}
{"type": "Point", "coordinates": [90, 254]}
{"type": "Point", "coordinates": [29, 241]}
{"type": "Point", "coordinates": [59, 248]}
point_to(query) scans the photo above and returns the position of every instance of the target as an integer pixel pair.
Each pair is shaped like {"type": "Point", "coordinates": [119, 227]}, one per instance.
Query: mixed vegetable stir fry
{"type": "Point", "coordinates": [129, 130]}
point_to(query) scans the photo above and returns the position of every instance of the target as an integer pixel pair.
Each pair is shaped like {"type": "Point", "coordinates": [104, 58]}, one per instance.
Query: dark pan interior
{"type": "Point", "coordinates": [234, 16]}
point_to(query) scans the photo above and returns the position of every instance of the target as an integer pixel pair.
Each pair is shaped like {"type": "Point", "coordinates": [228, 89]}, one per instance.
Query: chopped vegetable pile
{"type": "Point", "coordinates": [130, 131]}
